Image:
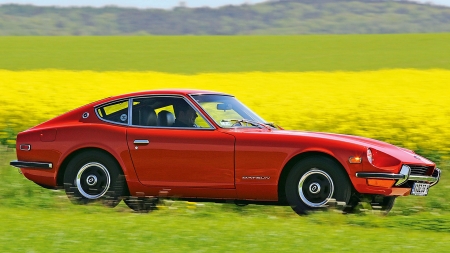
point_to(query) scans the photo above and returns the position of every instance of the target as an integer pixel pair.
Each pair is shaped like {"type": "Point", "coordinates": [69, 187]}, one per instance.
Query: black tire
{"type": "Point", "coordinates": [141, 204]}
{"type": "Point", "coordinates": [240, 203]}
{"type": "Point", "coordinates": [353, 205]}
{"type": "Point", "coordinates": [316, 182]}
{"type": "Point", "coordinates": [94, 176]}
{"type": "Point", "coordinates": [383, 204]}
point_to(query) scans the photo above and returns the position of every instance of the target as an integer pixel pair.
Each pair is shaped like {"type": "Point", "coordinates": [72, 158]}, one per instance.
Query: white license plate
{"type": "Point", "coordinates": [420, 189]}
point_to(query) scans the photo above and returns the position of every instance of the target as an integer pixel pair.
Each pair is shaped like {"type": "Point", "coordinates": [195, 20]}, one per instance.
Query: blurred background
{"type": "Point", "coordinates": [374, 68]}
{"type": "Point", "coordinates": [232, 17]}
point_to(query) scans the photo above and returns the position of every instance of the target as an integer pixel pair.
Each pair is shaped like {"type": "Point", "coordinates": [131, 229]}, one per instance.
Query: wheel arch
{"type": "Point", "coordinates": [294, 160]}
{"type": "Point", "coordinates": [66, 161]}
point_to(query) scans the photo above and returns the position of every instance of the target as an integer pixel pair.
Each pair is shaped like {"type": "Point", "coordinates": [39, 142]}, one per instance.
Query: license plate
{"type": "Point", "coordinates": [420, 189]}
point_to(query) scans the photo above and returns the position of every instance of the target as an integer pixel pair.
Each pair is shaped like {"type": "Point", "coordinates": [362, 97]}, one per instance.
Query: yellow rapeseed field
{"type": "Point", "coordinates": [410, 108]}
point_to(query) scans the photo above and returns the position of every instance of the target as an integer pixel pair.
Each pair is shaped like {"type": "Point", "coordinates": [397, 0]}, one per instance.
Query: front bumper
{"type": "Point", "coordinates": [403, 177]}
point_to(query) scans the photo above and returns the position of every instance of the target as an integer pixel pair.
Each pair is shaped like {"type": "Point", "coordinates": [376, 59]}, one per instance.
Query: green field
{"type": "Point", "coordinates": [97, 230]}
{"type": "Point", "coordinates": [34, 219]}
{"type": "Point", "coordinates": [38, 220]}
{"type": "Point", "coordinates": [199, 54]}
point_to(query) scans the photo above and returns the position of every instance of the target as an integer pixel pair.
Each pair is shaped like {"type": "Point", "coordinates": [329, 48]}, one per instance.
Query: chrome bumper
{"type": "Point", "coordinates": [38, 165]}
{"type": "Point", "coordinates": [403, 176]}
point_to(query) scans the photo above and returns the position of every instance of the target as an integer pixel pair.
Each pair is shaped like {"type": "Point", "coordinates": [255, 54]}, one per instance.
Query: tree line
{"type": "Point", "coordinates": [271, 17]}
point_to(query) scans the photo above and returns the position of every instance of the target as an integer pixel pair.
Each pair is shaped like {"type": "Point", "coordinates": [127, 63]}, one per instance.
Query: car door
{"type": "Point", "coordinates": [169, 156]}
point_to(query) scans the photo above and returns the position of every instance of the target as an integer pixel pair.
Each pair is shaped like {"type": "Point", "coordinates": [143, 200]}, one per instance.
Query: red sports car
{"type": "Point", "coordinates": [203, 145]}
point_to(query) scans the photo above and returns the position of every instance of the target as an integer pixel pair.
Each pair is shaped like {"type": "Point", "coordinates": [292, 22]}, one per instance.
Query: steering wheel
{"type": "Point", "coordinates": [238, 123]}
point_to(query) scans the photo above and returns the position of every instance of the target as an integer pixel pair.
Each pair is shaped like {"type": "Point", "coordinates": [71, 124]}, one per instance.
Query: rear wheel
{"type": "Point", "coordinates": [315, 182]}
{"type": "Point", "coordinates": [92, 176]}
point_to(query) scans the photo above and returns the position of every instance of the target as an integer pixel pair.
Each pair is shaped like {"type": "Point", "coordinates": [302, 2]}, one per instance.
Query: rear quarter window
{"type": "Point", "coordinates": [116, 112]}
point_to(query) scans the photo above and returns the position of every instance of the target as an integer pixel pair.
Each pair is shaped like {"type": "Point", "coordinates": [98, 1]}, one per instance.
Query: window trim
{"type": "Point", "coordinates": [130, 113]}
{"type": "Point", "coordinates": [99, 107]}
{"type": "Point", "coordinates": [211, 126]}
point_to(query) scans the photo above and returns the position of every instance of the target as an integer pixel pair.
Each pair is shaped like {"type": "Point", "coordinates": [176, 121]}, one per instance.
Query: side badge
{"type": "Point", "coordinates": [85, 115]}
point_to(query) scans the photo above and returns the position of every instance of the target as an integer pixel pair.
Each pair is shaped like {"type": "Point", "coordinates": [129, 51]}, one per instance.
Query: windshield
{"type": "Point", "coordinates": [227, 111]}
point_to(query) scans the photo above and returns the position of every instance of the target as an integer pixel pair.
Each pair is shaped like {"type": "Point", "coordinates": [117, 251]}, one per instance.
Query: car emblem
{"type": "Point", "coordinates": [85, 115]}
{"type": "Point", "coordinates": [256, 177]}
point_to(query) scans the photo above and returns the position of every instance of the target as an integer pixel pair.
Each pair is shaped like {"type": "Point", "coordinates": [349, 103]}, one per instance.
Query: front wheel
{"type": "Point", "coordinates": [384, 204]}
{"type": "Point", "coordinates": [92, 176]}
{"type": "Point", "coordinates": [314, 182]}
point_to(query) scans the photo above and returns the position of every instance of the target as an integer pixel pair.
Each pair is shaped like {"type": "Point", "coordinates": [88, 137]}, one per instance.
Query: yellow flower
{"type": "Point", "coordinates": [407, 107]}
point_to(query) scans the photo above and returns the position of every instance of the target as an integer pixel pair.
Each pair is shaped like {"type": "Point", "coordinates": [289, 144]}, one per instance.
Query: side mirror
{"type": "Point", "coordinates": [224, 107]}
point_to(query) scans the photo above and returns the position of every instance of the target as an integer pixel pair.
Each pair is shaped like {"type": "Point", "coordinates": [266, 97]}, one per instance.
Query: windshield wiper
{"type": "Point", "coordinates": [238, 122]}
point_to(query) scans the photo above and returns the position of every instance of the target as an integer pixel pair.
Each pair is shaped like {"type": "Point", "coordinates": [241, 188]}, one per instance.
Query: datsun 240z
{"type": "Point", "coordinates": [203, 145]}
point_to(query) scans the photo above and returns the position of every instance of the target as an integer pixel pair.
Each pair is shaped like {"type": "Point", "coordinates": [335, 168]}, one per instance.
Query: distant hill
{"type": "Point", "coordinates": [272, 17]}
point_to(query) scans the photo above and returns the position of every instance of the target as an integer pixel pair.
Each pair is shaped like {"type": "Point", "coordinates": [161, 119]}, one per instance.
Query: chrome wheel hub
{"type": "Point", "coordinates": [315, 188]}
{"type": "Point", "coordinates": [93, 180]}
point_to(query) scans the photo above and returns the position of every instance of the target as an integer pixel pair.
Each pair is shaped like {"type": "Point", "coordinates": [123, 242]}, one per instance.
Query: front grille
{"type": "Point", "coordinates": [421, 170]}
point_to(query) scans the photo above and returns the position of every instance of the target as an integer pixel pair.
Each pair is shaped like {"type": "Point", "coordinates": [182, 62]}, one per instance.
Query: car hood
{"type": "Point", "coordinates": [403, 154]}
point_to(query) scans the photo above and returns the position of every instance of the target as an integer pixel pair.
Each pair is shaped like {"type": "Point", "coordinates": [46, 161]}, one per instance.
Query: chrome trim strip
{"type": "Point", "coordinates": [155, 94]}
{"type": "Point", "coordinates": [173, 128]}
{"type": "Point", "coordinates": [108, 103]}
{"type": "Point", "coordinates": [22, 164]}
{"type": "Point", "coordinates": [25, 147]}
{"type": "Point", "coordinates": [438, 176]}
{"type": "Point", "coordinates": [130, 113]}
{"type": "Point", "coordinates": [400, 177]}
{"type": "Point", "coordinates": [405, 171]}
{"type": "Point", "coordinates": [111, 102]}
{"type": "Point", "coordinates": [423, 178]}
{"type": "Point", "coordinates": [380, 175]}
{"type": "Point", "coordinates": [208, 93]}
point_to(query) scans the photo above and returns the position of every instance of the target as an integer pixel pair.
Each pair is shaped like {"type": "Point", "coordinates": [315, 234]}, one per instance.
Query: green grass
{"type": "Point", "coordinates": [34, 219]}
{"type": "Point", "coordinates": [199, 54]}
{"type": "Point", "coordinates": [103, 230]}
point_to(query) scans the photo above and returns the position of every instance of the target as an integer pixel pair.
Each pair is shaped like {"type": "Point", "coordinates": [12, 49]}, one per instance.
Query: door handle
{"type": "Point", "coordinates": [141, 142]}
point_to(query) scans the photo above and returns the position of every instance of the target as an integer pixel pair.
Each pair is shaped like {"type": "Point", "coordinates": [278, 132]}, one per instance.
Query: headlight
{"type": "Point", "coordinates": [381, 160]}
{"type": "Point", "coordinates": [369, 155]}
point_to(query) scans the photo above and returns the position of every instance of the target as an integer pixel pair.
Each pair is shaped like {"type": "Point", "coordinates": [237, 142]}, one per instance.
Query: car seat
{"type": "Point", "coordinates": [165, 118]}
{"type": "Point", "coordinates": [145, 116]}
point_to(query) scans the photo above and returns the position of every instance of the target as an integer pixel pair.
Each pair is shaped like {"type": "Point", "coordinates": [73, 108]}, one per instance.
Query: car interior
{"type": "Point", "coordinates": [149, 111]}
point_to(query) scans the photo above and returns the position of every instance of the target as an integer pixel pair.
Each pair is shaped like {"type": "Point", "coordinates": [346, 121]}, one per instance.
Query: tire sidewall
{"type": "Point", "coordinates": [342, 187]}
{"type": "Point", "coordinates": [112, 195]}
{"type": "Point", "coordinates": [385, 205]}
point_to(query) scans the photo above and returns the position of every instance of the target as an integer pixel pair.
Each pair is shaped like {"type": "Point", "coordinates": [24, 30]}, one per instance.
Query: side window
{"type": "Point", "coordinates": [168, 108]}
{"type": "Point", "coordinates": [166, 111]}
{"type": "Point", "coordinates": [201, 123]}
{"type": "Point", "coordinates": [117, 112]}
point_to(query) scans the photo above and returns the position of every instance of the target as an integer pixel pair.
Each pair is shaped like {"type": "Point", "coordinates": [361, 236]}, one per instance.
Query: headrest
{"type": "Point", "coordinates": [144, 116]}
{"type": "Point", "coordinates": [165, 118]}
{"type": "Point", "coordinates": [149, 118]}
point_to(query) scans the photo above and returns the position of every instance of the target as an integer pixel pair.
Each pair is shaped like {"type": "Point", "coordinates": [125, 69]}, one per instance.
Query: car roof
{"type": "Point", "coordinates": [183, 92]}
